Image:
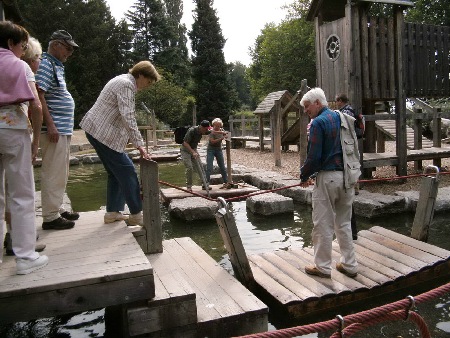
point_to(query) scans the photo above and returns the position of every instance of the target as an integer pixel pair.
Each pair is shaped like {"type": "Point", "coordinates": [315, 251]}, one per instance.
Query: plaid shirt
{"type": "Point", "coordinates": [324, 145]}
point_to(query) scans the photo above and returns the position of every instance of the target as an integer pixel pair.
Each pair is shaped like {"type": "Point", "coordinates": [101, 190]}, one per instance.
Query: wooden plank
{"type": "Point", "coordinates": [364, 258]}
{"type": "Point", "coordinates": [391, 54]}
{"type": "Point", "coordinates": [374, 84]}
{"type": "Point", "coordinates": [235, 290]}
{"type": "Point", "coordinates": [434, 250]}
{"type": "Point", "coordinates": [390, 253]}
{"type": "Point", "coordinates": [371, 275]}
{"type": "Point", "coordinates": [311, 283]}
{"type": "Point", "coordinates": [354, 284]}
{"type": "Point", "coordinates": [446, 65]}
{"type": "Point", "coordinates": [382, 63]}
{"type": "Point", "coordinates": [365, 56]}
{"type": "Point", "coordinates": [212, 280]}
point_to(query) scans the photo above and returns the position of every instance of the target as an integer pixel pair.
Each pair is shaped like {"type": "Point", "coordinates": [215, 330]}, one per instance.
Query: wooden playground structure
{"type": "Point", "coordinates": [373, 60]}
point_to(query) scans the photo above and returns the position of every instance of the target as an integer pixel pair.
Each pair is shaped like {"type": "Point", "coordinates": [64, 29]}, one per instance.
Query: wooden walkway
{"type": "Point", "coordinates": [211, 302]}
{"type": "Point", "coordinates": [91, 266]}
{"type": "Point", "coordinates": [388, 128]}
{"type": "Point", "coordinates": [181, 292]}
{"type": "Point", "coordinates": [387, 261]}
{"type": "Point", "coordinates": [371, 160]}
{"type": "Point", "coordinates": [169, 194]}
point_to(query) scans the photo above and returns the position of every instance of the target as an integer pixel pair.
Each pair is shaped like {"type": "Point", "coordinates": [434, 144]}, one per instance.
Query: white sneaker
{"type": "Point", "coordinates": [25, 266]}
{"type": "Point", "coordinates": [136, 219]}
{"type": "Point", "coordinates": [114, 216]}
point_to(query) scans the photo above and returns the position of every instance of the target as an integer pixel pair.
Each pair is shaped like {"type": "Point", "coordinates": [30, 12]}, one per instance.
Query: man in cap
{"type": "Point", "coordinates": [58, 109]}
{"type": "Point", "coordinates": [189, 152]}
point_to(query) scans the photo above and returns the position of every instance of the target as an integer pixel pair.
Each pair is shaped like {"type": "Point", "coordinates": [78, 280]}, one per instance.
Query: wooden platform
{"type": "Point", "coordinates": [388, 128]}
{"type": "Point", "coordinates": [210, 301]}
{"type": "Point", "coordinates": [241, 141]}
{"type": "Point", "coordinates": [387, 261]}
{"type": "Point", "coordinates": [169, 194]}
{"type": "Point", "coordinates": [91, 266]}
{"type": "Point", "coordinates": [372, 160]}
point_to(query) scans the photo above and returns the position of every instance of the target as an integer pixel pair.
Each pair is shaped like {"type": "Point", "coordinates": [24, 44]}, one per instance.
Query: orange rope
{"type": "Point", "coordinates": [358, 321]}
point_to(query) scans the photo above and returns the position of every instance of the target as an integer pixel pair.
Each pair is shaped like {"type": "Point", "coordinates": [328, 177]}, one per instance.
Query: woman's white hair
{"type": "Point", "coordinates": [217, 120]}
{"type": "Point", "coordinates": [34, 49]}
{"type": "Point", "coordinates": [313, 95]}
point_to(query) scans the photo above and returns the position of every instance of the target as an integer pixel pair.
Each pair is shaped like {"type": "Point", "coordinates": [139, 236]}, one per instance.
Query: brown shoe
{"type": "Point", "coordinates": [312, 270]}
{"type": "Point", "coordinates": [341, 269]}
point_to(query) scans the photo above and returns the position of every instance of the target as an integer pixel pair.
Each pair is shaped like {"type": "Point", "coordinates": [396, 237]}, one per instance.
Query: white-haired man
{"type": "Point", "coordinates": [332, 198]}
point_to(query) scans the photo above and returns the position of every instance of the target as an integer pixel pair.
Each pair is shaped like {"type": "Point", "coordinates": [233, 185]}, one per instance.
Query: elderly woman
{"type": "Point", "coordinates": [17, 89]}
{"type": "Point", "coordinates": [32, 56]}
{"type": "Point", "coordinates": [214, 150]}
{"type": "Point", "coordinates": [109, 125]}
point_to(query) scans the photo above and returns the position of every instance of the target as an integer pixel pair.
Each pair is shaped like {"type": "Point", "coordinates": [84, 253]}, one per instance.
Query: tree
{"type": "Point", "coordinates": [283, 55]}
{"type": "Point", "coordinates": [241, 84]}
{"type": "Point", "coordinates": [430, 12]}
{"type": "Point", "coordinates": [160, 36]}
{"type": "Point", "coordinates": [168, 100]}
{"type": "Point", "coordinates": [103, 51]}
{"type": "Point", "coordinates": [214, 94]}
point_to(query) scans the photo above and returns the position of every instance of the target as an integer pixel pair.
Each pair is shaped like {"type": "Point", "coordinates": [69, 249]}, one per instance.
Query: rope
{"type": "Point", "coordinates": [358, 321]}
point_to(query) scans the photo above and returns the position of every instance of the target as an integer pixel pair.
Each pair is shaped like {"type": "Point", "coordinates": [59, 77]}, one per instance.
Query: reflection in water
{"type": "Point", "coordinates": [87, 191]}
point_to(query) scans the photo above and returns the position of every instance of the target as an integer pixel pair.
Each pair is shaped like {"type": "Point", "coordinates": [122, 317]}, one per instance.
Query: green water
{"type": "Point", "coordinates": [87, 191]}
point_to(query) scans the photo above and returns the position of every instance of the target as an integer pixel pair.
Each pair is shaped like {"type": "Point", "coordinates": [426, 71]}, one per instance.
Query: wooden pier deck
{"type": "Point", "coordinates": [169, 194]}
{"type": "Point", "coordinates": [387, 261]}
{"type": "Point", "coordinates": [181, 292]}
{"type": "Point", "coordinates": [91, 266]}
{"type": "Point", "coordinates": [388, 128]}
{"type": "Point", "coordinates": [371, 160]}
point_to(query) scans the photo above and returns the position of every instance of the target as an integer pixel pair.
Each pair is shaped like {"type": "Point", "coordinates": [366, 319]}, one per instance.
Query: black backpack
{"type": "Point", "coordinates": [179, 133]}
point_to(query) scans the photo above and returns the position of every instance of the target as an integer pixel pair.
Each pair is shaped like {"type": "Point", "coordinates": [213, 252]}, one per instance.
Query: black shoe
{"type": "Point", "coordinates": [58, 224]}
{"type": "Point", "coordinates": [71, 216]}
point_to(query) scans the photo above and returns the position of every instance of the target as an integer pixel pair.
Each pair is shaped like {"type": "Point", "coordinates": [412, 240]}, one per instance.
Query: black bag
{"type": "Point", "coordinates": [179, 133]}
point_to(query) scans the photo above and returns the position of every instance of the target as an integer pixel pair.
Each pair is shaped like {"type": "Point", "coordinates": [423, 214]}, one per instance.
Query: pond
{"type": "Point", "coordinates": [87, 191]}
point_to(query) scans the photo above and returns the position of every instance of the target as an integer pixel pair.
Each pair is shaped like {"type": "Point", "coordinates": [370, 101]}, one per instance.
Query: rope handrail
{"type": "Point", "coordinates": [356, 322]}
{"type": "Point", "coordinates": [237, 198]}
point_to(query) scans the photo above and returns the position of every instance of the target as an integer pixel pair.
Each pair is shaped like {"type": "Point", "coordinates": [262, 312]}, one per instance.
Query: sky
{"type": "Point", "coordinates": [241, 21]}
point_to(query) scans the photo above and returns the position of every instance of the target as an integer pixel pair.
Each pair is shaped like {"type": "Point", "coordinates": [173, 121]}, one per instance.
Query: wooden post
{"type": "Point", "coordinates": [152, 241]}
{"type": "Point", "coordinates": [194, 115]}
{"type": "Point", "coordinates": [437, 133]}
{"type": "Point", "coordinates": [276, 133]}
{"type": "Point", "coordinates": [243, 125]}
{"type": "Point", "coordinates": [304, 120]}
{"type": "Point", "coordinates": [417, 135]}
{"type": "Point", "coordinates": [400, 99]}
{"type": "Point", "coordinates": [425, 206]}
{"type": "Point", "coordinates": [228, 152]}
{"type": "Point", "coordinates": [154, 137]}
{"type": "Point", "coordinates": [233, 244]}
{"type": "Point", "coordinates": [261, 133]}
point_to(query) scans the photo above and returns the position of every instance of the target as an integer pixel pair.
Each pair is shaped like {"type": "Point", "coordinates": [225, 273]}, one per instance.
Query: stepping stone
{"type": "Point", "coordinates": [270, 204]}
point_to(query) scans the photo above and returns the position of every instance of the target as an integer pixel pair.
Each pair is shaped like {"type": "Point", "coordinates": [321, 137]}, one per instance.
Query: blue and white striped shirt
{"type": "Point", "coordinates": [61, 106]}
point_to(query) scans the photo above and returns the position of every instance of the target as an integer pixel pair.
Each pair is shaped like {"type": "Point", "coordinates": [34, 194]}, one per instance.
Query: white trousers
{"type": "Point", "coordinates": [16, 168]}
{"type": "Point", "coordinates": [332, 212]}
{"type": "Point", "coordinates": [54, 175]}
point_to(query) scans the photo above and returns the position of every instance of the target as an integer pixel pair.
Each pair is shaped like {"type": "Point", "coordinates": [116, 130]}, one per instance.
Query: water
{"type": "Point", "coordinates": [87, 191]}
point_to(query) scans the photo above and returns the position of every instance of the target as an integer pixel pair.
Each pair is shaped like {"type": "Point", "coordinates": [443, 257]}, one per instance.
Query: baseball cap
{"type": "Point", "coordinates": [205, 123]}
{"type": "Point", "coordinates": [65, 36]}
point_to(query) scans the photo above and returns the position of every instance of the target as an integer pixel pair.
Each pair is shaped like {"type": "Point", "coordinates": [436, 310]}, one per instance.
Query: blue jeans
{"type": "Point", "coordinates": [123, 184]}
{"type": "Point", "coordinates": [218, 154]}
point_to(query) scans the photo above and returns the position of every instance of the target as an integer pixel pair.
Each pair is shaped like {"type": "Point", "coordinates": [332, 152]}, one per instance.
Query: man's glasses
{"type": "Point", "coordinates": [67, 47]}
{"type": "Point", "coordinates": [24, 46]}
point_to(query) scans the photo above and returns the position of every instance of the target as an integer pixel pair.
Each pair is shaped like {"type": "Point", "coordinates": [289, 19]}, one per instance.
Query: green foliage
{"type": "Point", "coordinates": [214, 94]}
{"type": "Point", "coordinates": [240, 83]}
{"type": "Point", "coordinates": [159, 36]}
{"type": "Point", "coordinates": [282, 57]}
{"type": "Point", "coordinates": [167, 100]}
{"type": "Point", "coordinates": [103, 51]}
{"type": "Point", "coordinates": [430, 12]}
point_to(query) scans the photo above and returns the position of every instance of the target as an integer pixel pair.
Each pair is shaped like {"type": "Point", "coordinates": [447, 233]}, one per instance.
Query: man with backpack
{"type": "Point", "coordinates": [343, 106]}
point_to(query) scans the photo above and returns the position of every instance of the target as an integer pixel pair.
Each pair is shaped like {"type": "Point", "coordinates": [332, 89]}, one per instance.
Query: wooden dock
{"type": "Point", "coordinates": [388, 128]}
{"type": "Point", "coordinates": [181, 292]}
{"type": "Point", "coordinates": [91, 266]}
{"type": "Point", "coordinates": [169, 194]}
{"type": "Point", "coordinates": [387, 261]}
{"type": "Point", "coordinates": [371, 160]}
